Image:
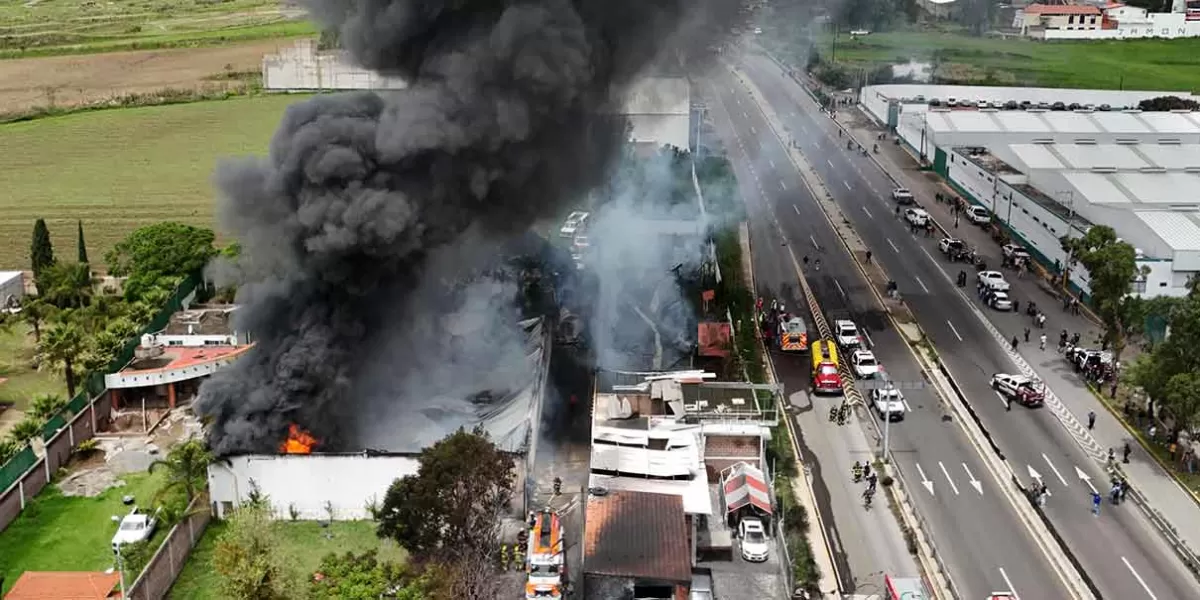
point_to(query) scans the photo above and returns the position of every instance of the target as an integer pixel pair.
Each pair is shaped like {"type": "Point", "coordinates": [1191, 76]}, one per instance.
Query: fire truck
{"type": "Point", "coordinates": [793, 335]}
{"type": "Point", "coordinates": [545, 564]}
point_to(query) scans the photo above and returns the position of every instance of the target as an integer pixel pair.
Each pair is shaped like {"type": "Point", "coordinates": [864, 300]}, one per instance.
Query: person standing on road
{"type": "Point", "coordinates": [1016, 309]}
{"type": "Point", "coordinates": [1091, 420]}
{"type": "Point", "coordinates": [1026, 335]}
{"type": "Point", "coordinates": [1042, 342]}
{"type": "Point", "coordinates": [1015, 341]}
{"type": "Point", "coordinates": [869, 255]}
{"type": "Point", "coordinates": [1096, 502]}
{"type": "Point", "coordinates": [1126, 451]}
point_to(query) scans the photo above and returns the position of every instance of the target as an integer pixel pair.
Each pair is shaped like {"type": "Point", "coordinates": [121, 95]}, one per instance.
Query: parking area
{"type": "Point", "coordinates": [733, 577]}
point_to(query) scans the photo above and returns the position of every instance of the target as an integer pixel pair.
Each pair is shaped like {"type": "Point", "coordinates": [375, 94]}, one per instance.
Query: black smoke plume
{"type": "Point", "coordinates": [503, 122]}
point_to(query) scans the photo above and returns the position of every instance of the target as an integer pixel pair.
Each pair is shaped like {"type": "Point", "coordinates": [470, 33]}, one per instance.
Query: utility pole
{"type": "Point", "coordinates": [1066, 273]}
{"type": "Point", "coordinates": [887, 420]}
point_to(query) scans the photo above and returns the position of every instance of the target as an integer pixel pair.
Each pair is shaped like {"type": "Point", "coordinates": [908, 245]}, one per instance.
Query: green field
{"type": "Point", "coordinates": [1128, 64]}
{"type": "Point", "coordinates": [38, 28]}
{"type": "Point", "coordinates": [303, 544]}
{"type": "Point", "coordinates": [20, 382]}
{"type": "Point", "coordinates": [60, 533]}
{"type": "Point", "coordinates": [120, 169]}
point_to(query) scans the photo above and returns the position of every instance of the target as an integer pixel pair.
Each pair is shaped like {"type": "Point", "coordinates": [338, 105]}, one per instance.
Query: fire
{"type": "Point", "coordinates": [298, 441]}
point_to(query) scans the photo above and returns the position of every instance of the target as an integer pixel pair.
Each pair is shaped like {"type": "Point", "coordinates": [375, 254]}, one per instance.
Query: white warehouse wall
{"type": "Point", "coordinates": [307, 482]}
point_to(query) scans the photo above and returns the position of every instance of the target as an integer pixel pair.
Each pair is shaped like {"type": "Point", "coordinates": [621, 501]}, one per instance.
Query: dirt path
{"type": "Point", "coordinates": [71, 80]}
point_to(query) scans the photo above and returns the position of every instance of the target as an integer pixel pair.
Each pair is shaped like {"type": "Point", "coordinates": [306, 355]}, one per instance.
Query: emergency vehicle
{"type": "Point", "coordinates": [545, 566]}
{"type": "Point", "coordinates": [793, 335]}
{"type": "Point", "coordinates": [1024, 390]}
{"type": "Point", "coordinates": [825, 376]}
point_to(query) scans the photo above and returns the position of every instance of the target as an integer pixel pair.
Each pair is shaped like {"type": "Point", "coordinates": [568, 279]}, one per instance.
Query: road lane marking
{"type": "Point", "coordinates": [948, 480]}
{"type": "Point", "coordinates": [894, 248]}
{"type": "Point", "coordinates": [925, 480]}
{"type": "Point", "coordinates": [744, 115]}
{"type": "Point", "coordinates": [830, 163]}
{"type": "Point", "coordinates": [1055, 469]}
{"type": "Point", "coordinates": [1007, 582]}
{"type": "Point", "coordinates": [975, 483]}
{"type": "Point", "coordinates": [839, 287]}
{"type": "Point", "coordinates": [869, 215]}
{"type": "Point", "coordinates": [772, 161]}
{"type": "Point", "coordinates": [1003, 400]}
{"type": "Point", "coordinates": [782, 185]}
{"type": "Point", "coordinates": [753, 130]}
{"type": "Point", "coordinates": [922, 283]}
{"type": "Point", "coordinates": [795, 209]}
{"type": "Point", "coordinates": [930, 257]}
{"type": "Point", "coordinates": [1139, 579]}
{"type": "Point", "coordinates": [870, 342]}
{"type": "Point", "coordinates": [955, 331]}
{"type": "Point", "coordinates": [814, 241]}
{"type": "Point", "coordinates": [847, 186]}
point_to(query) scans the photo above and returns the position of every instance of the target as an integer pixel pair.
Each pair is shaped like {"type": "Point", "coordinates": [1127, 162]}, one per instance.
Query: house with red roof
{"type": "Point", "coordinates": [65, 585]}
{"type": "Point", "coordinates": [1034, 19]}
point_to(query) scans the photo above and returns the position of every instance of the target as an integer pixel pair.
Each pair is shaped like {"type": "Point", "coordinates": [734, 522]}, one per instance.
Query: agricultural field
{"type": "Point", "coordinates": [19, 381]}
{"type": "Point", "coordinates": [302, 544]}
{"type": "Point", "coordinates": [47, 27]}
{"type": "Point", "coordinates": [1128, 64]}
{"type": "Point", "coordinates": [119, 169]}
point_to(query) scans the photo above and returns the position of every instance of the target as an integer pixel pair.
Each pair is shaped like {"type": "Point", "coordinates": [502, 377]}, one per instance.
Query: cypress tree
{"type": "Point", "coordinates": [41, 252]}
{"type": "Point", "coordinates": [82, 246]}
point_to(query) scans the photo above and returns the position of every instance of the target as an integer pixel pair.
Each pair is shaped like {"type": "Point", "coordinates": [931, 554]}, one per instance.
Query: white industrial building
{"type": "Point", "coordinates": [658, 108]}
{"type": "Point", "coordinates": [1107, 21]}
{"type": "Point", "coordinates": [12, 288]}
{"type": "Point", "coordinates": [1048, 174]}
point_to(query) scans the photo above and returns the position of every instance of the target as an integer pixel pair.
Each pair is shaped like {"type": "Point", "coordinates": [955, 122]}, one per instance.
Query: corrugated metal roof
{"type": "Point", "coordinates": [1116, 122]}
{"type": "Point", "coordinates": [1070, 122]}
{"type": "Point", "coordinates": [1090, 156]}
{"type": "Point", "coordinates": [638, 535]}
{"type": "Point", "coordinates": [1171, 156]}
{"type": "Point", "coordinates": [1160, 188]}
{"type": "Point", "coordinates": [1023, 122]}
{"type": "Point", "coordinates": [1036, 156]}
{"type": "Point", "coordinates": [969, 120]}
{"type": "Point", "coordinates": [1179, 230]}
{"type": "Point", "coordinates": [1095, 188]}
{"type": "Point", "coordinates": [1172, 123]}
{"type": "Point", "coordinates": [694, 492]}
{"type": "Point", "coordinates": [746, 485]}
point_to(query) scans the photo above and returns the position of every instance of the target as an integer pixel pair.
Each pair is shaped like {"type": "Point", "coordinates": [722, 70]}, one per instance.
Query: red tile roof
{"type": "Point", "coordinates": [638, 535]}
{"type": "Point", "coordinates": [182, 357]}
{"type": "Point", "coordinates": [1065, 9]}
{"type": "Point", "coordinates": [64, 585]}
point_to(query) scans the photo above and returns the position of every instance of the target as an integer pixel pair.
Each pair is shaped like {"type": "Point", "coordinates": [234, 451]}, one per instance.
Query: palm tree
{"type": "Point", "coordinates": [36, 312]}
{"type": "Point", "coordinates": [61, 349]}
{"type": "Point", "coordinates": [187, 467]}
{"type": "Point", "coordinates": [66, 285]}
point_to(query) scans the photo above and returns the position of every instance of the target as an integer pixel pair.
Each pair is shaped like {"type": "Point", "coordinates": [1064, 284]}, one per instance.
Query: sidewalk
{"type": "Point", "coordinates": [1177, 505]}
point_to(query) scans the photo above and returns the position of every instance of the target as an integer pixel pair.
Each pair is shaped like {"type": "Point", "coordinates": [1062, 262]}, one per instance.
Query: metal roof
{"type": "Point", "coordinates": [1092, 156]}
{"type": "Point", "coordinates": [745, 485]}
{"type": "Point", "coordinates": [1179, 230]}
{"type": "Point", "coordinates": [637, 535]}
{"type": "Point", "coordinates": [1036, 156]}
{"type": "Point", "coordinates": [1171, 156]}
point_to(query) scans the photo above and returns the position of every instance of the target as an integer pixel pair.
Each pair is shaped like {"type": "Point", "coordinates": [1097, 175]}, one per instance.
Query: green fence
{"type": "Point", "coordinates": [16, 466]}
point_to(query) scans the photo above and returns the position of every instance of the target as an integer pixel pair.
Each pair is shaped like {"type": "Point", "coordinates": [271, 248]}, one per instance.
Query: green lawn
{"type": "Point", "coordinates": [60, 533]}
{"type": "Point", "coordinates": [119, 169]}
{"type": "Point", "coordinates": [20, 381]}
{"type": "Point", "coordinates": [81, 26]}
{"type": "Point", "coordinates": [1131, 64]}
{"type": "Point", "coordinates": [304, 543]}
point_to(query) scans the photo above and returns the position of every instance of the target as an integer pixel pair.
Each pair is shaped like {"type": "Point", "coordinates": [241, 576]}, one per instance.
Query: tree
{"type": "Point", "coordinates": [61, 348]}
{"type": "Point", "coordinates": [1112, 265]}
{"type": "Point", "coordinates": [81, 245]}
{"type": "Point", "coordinates": [36, 312]}
{"type": "Point", "coordinates": [364, 577]}
{"type": "Point", "coordinates": [158, 255]}
{"type": "Point", "coordinates": [41, 251]}
{"type": "Point", "coordinates": [246, 557]}
{"type": "Point", "coordinates": [187, 467]}
{"type": "Point", "coordinates": [1182, 396]}
{"type": "Point", "coordinates": [9, 448]}
{"type": "Point", "coordinates": [1168, 103]}
{"type": "Point", "coordinates": [66, 285]}
{"type": "Point", "coordinates": [1167, 373]}
{"type": "Point", "coordinates": [26, 429]}
{"type": "Point", "coordinates": [45, 406]}
{"type": "Point", "coordinates": [450, 507]}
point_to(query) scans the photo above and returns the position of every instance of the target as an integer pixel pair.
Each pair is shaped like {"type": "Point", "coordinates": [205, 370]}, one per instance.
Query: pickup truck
{"type": "Point", "coordinates": [903, 196]}
{"type": "Point", "coordinates": [135, 527]}
{"type": "Point", "coordinates": [1019, 388]}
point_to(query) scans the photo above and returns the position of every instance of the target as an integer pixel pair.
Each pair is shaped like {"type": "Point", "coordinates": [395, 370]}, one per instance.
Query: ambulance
{"type": "Point", "coordinates": [545, 567]}
{"type": "Point", "coordinates": [825, 376]}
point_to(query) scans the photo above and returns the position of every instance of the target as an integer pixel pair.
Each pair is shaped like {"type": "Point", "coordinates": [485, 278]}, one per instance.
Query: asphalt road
{"type": "Point", "coordinates": [977, 533]}
{"type": "Point", "coordinates": [1117, 548]}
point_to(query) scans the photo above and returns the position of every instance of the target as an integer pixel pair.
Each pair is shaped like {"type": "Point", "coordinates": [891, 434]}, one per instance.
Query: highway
{"type": "Point", "coordinates": [976, 531]}
{"type": "Point", "coordinates": [1117, 548]}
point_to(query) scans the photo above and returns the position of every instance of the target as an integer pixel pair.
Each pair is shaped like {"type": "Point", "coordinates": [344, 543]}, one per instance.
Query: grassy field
{"type": "Point", "coordinates": [120, 169]}
{"type": "Point", "coordinates": [20, 382]}
{"type": "Point", "coordinates": [40, 28]}
{"type": "Point", "coordinates": [304, 544]}
{"type": "Point", "coordinates": [1127, 64]}
{"type": "Point", "coordinates": [60, 533]}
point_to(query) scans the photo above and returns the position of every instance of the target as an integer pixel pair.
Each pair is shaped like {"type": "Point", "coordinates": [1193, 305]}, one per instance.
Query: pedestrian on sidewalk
{"type": "Point", "coordinates": [1026, 335]}
{"type": "Point", "coordinates": [1014, 343]}
{"type": "Point", "coordinates": [1042, 342]}
{"type": "Point", "coordinates": [869, 255]}
{"type": "Point", "coordinates": [1126, 451]}
{"type": "Point", "coordinates": [1113, 390]}
{"type": "Point", "coordinates": [1091, 420]}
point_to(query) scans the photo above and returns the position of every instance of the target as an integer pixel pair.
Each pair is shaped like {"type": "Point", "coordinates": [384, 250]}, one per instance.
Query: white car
{"type": "Point", "coordinates": [846, 334]}
{"type": "Point", "coordinates": [916, 216]}
{"type": "Point", "coordinates": [978, 215]}
{"type": "Point", "coordinates": [755, 544]}
{"type": "Point", "coordinates": [575, 222]}
{"type": "Point", "coordinates": [1013, 251]}
{"type": "Point", "coordinates": [1000, 301]}
{"type": "Point", "coordinates": [902, 196]}
{"type": "Point", "coordinates": [864, 364]}
{"type": "Point", "coordinates": [948, 244]}
{"type": "Point", "coordinates": [135, 527]}
{"type": "Point", "coordinates": [992, 280]}
{"type": "Point", "coordinates": [889, 403]}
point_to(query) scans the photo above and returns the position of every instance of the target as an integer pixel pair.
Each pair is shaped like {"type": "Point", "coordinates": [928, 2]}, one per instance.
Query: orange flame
{"type": "Point", "coordinates": [298, 441]}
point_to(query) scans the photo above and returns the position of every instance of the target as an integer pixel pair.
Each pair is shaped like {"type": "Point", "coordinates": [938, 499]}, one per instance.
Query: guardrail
{"type": "Point", "coordinates": [851, 393]}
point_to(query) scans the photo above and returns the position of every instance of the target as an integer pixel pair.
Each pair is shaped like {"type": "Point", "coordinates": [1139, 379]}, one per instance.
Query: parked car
{"type": "Point", "coordinates": [755, 544]}
{"type": "Point", "coordinates": [1024, 390]}
{"type": "Point", "coordinates": [135, 527]}
{"type": "Point", "coordinates": [999, 300]}
{"type": "Point", "coordinates": [991, 280]}
{"type": "Point", "coordinates": [1014, 252]}
{"type": "Point", "coordinates": [978, 215]}
{"type": "Point", "coordinates": [916, 216]}
{"type": "Point", "coordinates": [864, 364]}
{"type": "Point", "coordinates": [902, 196]}
{"type": "Point", "coordinates": [948, 246]}
{"type": "Point", "coordinates": [575, 222]}
{"type": "Point", "coordinates": [1105, 108]}
{"type": "Point", "coordinates": [1058, 106]}
{"type": "Point", "coordinates": [889, 403]}
{"type": "Point", "coordinates": [1011, 105]}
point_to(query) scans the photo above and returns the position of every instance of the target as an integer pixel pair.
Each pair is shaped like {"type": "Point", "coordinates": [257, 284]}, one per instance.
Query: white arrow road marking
{"type": "Point", "coordinates": [782, 185]}
{"type": "Point", "coordinates": [795, 209]}
{"type": "Point", "coordinates": [869, 215]}
{"type": "Point", "coordinates": [925, 480]}
{"type": "Point", "coordinates": [1055, 469]}
{"type": "Point", "coordinates": [1012, 590]}
{"type": "Point", "coordinates": [922, 284]}
{"type": "Point", "coordinates": [948, 480]}
{"type": "Point", "coordinates": [1034, 474]}
{"type": "Point", "coordinates": [1084, 477]}
{"type": "Point", "coordinates": [955, 331]}
{"type": "Point", "coordinates": [1139, 579]}
{"type": "Point", "coordinates": [839, 287]}
{"type": "Point", "coordinates": [975, 483]}
{"type": "Point", "coordinates": [894, 248]}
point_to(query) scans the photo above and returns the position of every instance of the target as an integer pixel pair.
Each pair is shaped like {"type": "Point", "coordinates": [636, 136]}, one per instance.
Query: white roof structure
{"type": "Point", "coordinates": [957, 127]}
{"type": "Point", "coordinates": [1180, 230]}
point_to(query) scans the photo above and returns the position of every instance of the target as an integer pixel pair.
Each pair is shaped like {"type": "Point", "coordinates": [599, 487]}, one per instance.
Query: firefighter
{"type": "Point", "coordinates": [503, 557]}
{"type": "Point", "coordinates": [857, 471]}
{"type": "Point", "coordinates": [518, 558]}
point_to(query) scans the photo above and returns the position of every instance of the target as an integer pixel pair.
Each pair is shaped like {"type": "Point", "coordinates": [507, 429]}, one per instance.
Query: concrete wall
{"type": "Point", "coordinates": [166, 564]}
{"type": "Point", "coordinates": [58, 451]}
{"type": "Point", "coordinates": [302, 68]}
{"type": "Point", "coordinates": [305, 483]}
